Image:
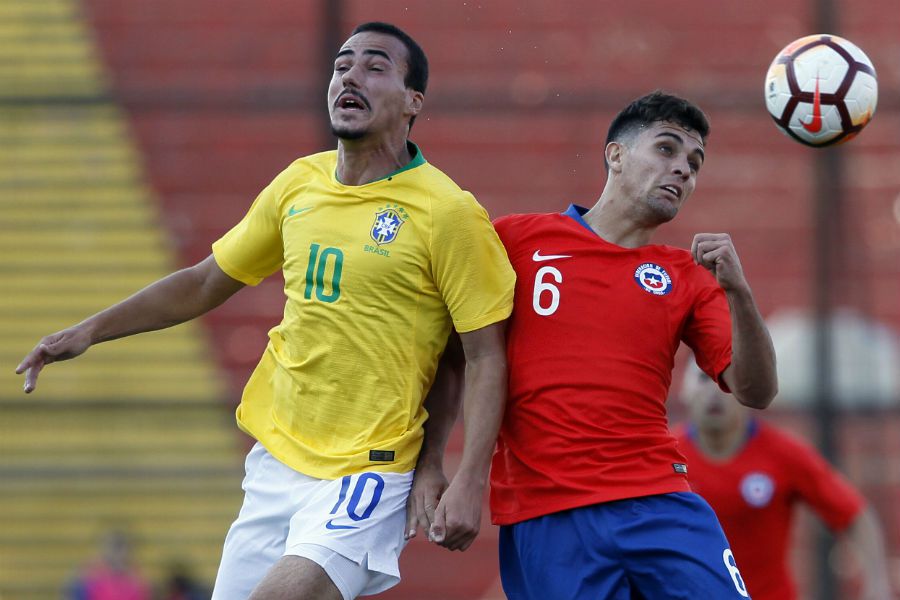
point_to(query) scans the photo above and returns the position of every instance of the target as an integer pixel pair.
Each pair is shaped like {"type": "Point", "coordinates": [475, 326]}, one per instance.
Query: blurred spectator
{"type": "Point", "coordinates": [112, 576]}
{"type": "Point", "coordinates": [180, 584]}
{"type": "Point", "coordinates": [753, 475]}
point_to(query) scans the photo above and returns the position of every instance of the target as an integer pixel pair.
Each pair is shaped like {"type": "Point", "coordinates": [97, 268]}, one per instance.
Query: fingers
{"type": "Point", "coordinates": [31, 376]}
{"type": "Point", "coordinates": [454, 532]}
{"type": "Point", "coordinates": [437, 530]}
{"type": "Point", "coordinates": [708, 249]}
{"type": "Point", "coordinates": [412, 517]}
{"type": "Point", "coordinates": [31, 365]}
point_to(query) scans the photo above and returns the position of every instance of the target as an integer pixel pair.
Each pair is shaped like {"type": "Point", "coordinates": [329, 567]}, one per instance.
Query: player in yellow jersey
{"type": "Point", "coordinates": [382, 255]}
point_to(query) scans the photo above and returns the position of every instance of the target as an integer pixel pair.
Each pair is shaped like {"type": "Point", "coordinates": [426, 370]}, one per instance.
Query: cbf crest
{"type": "Point", "coordinates": [388, 221]}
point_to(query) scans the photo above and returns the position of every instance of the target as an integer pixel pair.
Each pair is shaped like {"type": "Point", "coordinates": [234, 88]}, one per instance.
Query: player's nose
{"type": "Point", "coordinates": [350, 77]}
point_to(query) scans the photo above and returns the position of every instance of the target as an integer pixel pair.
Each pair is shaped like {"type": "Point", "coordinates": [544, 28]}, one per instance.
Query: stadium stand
{"type": "Point", "coordinates": [137, 435]}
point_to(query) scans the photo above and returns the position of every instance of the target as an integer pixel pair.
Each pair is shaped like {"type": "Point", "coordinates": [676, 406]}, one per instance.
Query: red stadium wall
{"type": "Point", "coordinates": [222, 94]}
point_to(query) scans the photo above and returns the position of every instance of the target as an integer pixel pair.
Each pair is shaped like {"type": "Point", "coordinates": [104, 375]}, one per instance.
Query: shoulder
{"type": "Point", "coordinates": [787, 445]}
{"type": "Point", "coordinates": [321, 164]}
{"type": "Point", "coordinates": [438, 183]}
{"type": "Point", "coordinates": [302, 172]}
{"type": "Point", "coordinates": [514, 226]}
{"type": "Point", "coordinates": [449, 204]}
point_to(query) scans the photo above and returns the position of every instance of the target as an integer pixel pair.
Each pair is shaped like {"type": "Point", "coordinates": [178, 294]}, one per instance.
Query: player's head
{"type": "Point", "coordinates": [653, 108]}
{"type": "Point", "coordinates": [116, 550]}
{"type": "Point", "coordinates": [378, 84]}
{"type": "Point", "coordinates": [654, 150]}
{"type": "Point", "coordinates": [709, 408]}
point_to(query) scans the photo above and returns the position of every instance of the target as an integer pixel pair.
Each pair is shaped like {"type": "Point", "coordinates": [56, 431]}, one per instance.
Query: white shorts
{"type": "Point", "coordinates": [352, 527]}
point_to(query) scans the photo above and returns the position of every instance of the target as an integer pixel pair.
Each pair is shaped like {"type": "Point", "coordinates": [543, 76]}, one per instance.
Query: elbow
{"type": "Point", "coordinates": [758, 397]}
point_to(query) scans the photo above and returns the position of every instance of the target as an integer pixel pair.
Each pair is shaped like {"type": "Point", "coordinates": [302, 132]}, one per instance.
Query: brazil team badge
{"type": "Point", "coordinates": [387, 224]}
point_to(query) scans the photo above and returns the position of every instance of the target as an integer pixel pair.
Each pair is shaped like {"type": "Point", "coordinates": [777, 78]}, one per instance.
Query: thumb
{"type": "Point", "coordinates": [438, 527]}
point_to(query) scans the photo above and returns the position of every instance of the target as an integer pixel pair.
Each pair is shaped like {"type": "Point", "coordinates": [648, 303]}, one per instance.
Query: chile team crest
{"type": "Point", "coordinates": [757, 489]}
{"type": "Point", "coordinates": [387, 224]}
{"type": "Point", "coordinates": [653, 278]}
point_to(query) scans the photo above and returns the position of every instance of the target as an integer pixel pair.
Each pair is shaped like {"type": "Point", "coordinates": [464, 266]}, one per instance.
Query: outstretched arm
{"type": "Point", "coordinates": [751, 376]}
{"type": "Point", "coordinates": [174, 299]}
{"type": "Point", "coordinates": [442, 404]}
{"type": "Point", "coordinates": [458, 515]}
{"type": "Point", "coordinates": [865, 535]}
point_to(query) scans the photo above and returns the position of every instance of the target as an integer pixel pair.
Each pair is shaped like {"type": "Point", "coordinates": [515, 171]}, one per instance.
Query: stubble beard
{"type": "Point", "coordinates": [346, 133]}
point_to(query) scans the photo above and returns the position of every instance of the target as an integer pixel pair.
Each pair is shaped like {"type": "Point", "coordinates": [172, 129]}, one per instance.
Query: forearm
{"type": "Point", "coordinates": [442, 404]}
{"type": "Point", "coordinates": [483, 404]}
{"type": "Point", "coordinates": [177, 298]}
{"type": "Point", "coordinates": [865, 535]}
{"type": "Point", "coordinates": [752, 375]}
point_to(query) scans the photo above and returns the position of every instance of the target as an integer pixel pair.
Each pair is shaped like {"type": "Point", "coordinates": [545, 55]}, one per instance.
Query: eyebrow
{"type": "Point", "coordinates": [371, 52]}
{"type": "Point", "coordinates": [681, 141]}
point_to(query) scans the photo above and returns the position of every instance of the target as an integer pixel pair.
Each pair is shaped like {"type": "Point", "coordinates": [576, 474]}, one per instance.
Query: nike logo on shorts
{"type": "Point", "coordinates": [330, 525]}
{"type": "Point", "coordinates": [538, 257]}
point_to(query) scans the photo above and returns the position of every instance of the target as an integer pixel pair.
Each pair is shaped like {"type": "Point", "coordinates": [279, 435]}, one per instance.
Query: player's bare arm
{"type": "Point", "coordinates": [752, 376]}
{"type": "Point", "coordinates": [867, 538]}
{"type": "Point", "coordinates": [458, 515]}
{"type": "Point", "coordinates": [174, 299]}
{"type": "Point", "coordinates": [442, 404]}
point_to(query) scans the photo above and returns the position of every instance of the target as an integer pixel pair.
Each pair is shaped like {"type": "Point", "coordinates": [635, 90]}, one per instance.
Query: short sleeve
{"type": "Point", "coordinates": [470, 265]}
{"type": "Point", "coordinates": [253, 249]}
{"type": "Point", "coordinates": [827, 492]}
{"type": "Point", "coordinates": [708, 329]}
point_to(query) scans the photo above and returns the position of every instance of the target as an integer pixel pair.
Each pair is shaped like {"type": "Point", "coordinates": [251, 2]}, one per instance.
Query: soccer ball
{"type": "Point", "coordinates": [821, 90]}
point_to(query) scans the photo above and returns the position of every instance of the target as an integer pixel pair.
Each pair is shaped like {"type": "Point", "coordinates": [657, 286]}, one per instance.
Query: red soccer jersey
{"type": "Point", "coordinates": [753, 494]}
{"type": "Point", "coordinates": [591, 347]}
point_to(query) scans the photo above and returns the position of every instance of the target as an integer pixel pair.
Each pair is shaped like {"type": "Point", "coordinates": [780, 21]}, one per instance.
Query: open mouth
{"type": "Point", "coordinates": [349, 101]}
{"type": "Point", "coordinates": [672, 189]}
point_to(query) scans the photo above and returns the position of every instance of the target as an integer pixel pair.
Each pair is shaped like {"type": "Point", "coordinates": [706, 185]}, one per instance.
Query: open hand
{"type": "Point", "coordinates": [61, 345]}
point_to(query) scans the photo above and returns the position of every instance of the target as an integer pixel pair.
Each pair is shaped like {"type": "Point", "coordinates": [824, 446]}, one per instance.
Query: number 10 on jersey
{"type": "Point", "coordinates": [315, 273]}
{"type": "Point", "coordinates": [542, 287]}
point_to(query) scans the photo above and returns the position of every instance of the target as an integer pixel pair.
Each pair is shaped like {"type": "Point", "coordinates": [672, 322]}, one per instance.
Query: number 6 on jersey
{"type": "Point", "coordinates": [541, 286]}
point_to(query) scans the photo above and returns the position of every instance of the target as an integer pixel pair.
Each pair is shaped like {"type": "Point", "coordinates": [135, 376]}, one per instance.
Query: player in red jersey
{"type": "Point", "coordinates": [753, 475]}
{"type": "Point", "coordinates": [587, 482]}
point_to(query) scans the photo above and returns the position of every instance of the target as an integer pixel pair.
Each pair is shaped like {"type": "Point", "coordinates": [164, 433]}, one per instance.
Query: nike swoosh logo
{"type": "Point", "coordinates": [815, 124]}
{"type": "Point", "coordinates": [330, 525]}
{"type": "Point", "coordinates": [297, 211]}
{"type": "Point", "coordinates": [538, 257]}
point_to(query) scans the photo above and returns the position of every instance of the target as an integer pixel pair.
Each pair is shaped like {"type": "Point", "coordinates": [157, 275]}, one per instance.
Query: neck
{"type": "Point", "coordinates": [720, 444]}
{"type": "Point", "coordinates": [363, 161]}
{"type": "Point", "coordinates": [610, 219]}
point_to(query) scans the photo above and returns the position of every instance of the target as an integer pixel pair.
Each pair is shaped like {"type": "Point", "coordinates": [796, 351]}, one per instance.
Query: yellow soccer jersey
{"type": "Point", "coordinates": [374, 276]}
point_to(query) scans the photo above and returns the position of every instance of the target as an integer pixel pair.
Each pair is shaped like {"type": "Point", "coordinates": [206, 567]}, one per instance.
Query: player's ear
{"type": "Point", "coordinates": [414, 102]}
{"type": "Point", "coordinates": [614, 155]}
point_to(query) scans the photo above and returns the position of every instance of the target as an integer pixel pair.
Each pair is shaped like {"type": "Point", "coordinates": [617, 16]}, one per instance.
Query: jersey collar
{"type": "Point", "coordinates": [417, 161]}
{"type": "Point", "coordinates": [577, 212]}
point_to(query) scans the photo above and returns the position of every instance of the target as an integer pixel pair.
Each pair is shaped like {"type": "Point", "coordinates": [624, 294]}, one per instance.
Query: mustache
{"type": "Point", "coordinates": [358, 95]}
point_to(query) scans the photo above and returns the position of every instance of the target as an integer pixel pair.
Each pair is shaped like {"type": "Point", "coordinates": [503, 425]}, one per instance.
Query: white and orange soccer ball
{"type": "Point", "coordinates": [821, 90]}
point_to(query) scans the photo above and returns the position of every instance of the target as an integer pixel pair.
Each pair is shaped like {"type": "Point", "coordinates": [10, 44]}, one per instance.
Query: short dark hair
{"type": "Point", "coordinates": [416, 61]}
{"type": "Point", "coordinates": [653, 108]}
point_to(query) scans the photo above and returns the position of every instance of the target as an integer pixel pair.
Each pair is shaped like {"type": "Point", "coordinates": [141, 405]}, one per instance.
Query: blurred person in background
{"type": "Point", "coordinates": [587, 483]}
{"type": "Point", "coordinates": [383, 255]}
{"type": "Point", "coordinates": [180, 584]}
{"type": "Point", "coordinates": [113, 575]}
{"type": "Point", "coordinates": [754, 475]}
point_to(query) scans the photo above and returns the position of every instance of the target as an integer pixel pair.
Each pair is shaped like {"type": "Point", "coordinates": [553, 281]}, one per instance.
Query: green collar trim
{"type": "Point", "coordinates": [417, 161]}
